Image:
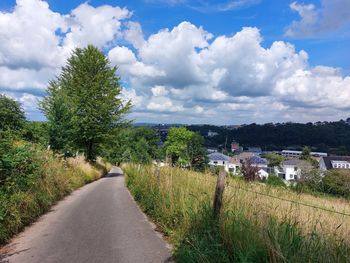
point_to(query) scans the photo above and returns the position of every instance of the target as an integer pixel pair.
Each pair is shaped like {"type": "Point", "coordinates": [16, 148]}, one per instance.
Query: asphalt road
{"type": "Point", "coordinates": [100, 222]}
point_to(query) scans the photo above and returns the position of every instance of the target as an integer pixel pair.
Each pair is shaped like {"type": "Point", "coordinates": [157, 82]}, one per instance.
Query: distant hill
{"type": "Point", "coordinates": [332, 137]}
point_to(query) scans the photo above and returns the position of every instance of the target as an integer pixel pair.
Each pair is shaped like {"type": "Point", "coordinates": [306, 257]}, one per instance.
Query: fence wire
{"type": "Point", "coordinates": [288, 200]}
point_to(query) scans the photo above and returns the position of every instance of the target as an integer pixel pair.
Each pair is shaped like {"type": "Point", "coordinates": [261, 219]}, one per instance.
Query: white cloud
{"type": "Point", "coordinates": [331, 16]}
{"type": "Point", "coordinates": [159, 91]}
{"type": "Point", "coordinates": [97, 26]}
{"type": "Point", "coordinates": [182, 74]}
{"type": "Point", "coordinates": [28, 36]}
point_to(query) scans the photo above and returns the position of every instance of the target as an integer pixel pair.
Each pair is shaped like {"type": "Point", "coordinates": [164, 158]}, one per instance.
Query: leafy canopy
{"type": "Point", "coordinates": [185, 148]}
{"type": "Point", "coordinates": [83, 104]}
{"type": "Point", "coordinates": [11, 114]}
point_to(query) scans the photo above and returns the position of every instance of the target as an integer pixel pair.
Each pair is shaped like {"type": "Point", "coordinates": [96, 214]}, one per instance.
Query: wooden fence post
{"type": "Point", "coordinates": [157, 174]}
{"type": "Point", "coordinates": [219, 191]}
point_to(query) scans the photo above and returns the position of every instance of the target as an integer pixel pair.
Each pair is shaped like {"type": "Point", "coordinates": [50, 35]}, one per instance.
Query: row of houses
{"type": "Point", "coordinates": [289, 170]}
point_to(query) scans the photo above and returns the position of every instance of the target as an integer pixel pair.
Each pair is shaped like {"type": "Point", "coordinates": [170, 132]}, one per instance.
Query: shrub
{"type": "Point", "coordinates": [337, 182]}
{"type": "Point", "coordinates": [275, 180]}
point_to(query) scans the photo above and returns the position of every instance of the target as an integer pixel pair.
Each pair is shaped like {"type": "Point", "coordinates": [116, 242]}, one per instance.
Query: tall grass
{"type": "Point", "coordinates": [37, 181]}
{"type": "Point", "coordinates": [251, 228]}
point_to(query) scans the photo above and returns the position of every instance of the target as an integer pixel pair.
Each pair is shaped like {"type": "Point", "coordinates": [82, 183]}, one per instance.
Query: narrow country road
{"type": "Point", "coordinates": [100, 222]}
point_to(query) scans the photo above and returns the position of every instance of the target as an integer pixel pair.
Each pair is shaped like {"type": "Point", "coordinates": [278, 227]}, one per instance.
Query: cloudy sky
{"type": "Point", "coordinates": [190, 61]}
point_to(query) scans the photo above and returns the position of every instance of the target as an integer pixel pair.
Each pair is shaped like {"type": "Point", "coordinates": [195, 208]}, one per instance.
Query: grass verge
{"type": "Point", "coordinates": [33, 180]}
{"type": "Point", "coordinates": [251, 228]}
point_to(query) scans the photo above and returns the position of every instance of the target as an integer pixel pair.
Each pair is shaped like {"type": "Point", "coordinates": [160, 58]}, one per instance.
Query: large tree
{"type": "Point", "coordinates": [83, 104]}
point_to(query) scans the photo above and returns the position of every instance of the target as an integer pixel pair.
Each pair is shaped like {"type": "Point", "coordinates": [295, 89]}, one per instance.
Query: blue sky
{"type": "Point", "coordinates": [304, 43]}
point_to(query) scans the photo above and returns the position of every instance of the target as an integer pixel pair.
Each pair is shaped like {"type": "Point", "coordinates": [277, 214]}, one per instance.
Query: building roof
{"type": "Point", "coordinates": [328, 160]}
{"type": "Point", "coordinates": [257, 160]}
{"type": "Point", "coordinates": [297, 162]}
{"type": "Point", "coordinates": [218, 157]}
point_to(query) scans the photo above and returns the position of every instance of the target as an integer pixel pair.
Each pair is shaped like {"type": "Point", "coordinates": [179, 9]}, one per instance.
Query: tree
{"type": "Point", "coordinates": [59, 115]}
{"type": "Point", "coordinates": [274, 159]}
{"type": "Point", "coordinates": [250, 172]}
{"type": "Point", "coordinates": [11, 114]}
{"type": "Point", "coordinates": [177, 142]}
{"type": "Point", "coordinates": [306, 153]}
{"type": "Point", "coordinates": [197, 153]}
{"type": "Point", "coordinates": [186, 148]}
{"type": "Point", "coordinates": [138, 145]}
{"type": "Point", "coordinates": [83, 104]}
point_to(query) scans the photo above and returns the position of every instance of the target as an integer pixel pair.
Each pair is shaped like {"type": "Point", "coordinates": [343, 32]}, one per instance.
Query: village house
{"type": "Point", "coordinates": [261, 163]}
{"type": "Point", "coordinates": [334, 162]}
{"type": "Point", "coordinates": [235, 147]}
{"type": "Point", "coordinates": [292, 169]}
{"type": "Point", "coordinates": [218, 159]}
{"type": "Point", "coordinates": [233, 166]}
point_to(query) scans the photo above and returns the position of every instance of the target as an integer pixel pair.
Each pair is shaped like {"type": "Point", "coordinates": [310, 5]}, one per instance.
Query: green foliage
{"type": "Point", "coordinates": [275, 181]}
{"type": "Point", "coordinates": [177, 142]}
{"type": "Point", "coordinates": [306, 153]}
{"type": "Point", "coordinates": [129, 144]}
{"type": "Point", "coordinates": [11, 114]}
{"type": "Point", "coordinates": [186, 148]}
{"type": "Point", "coordinates": [310, 181]}
{"type": "Point", "coordinates": [59, 116]}
{"type": "Point", "coordinates": [36, 132]}
{"type": "Point", "coordinates": [337, 182]}
{"type": "Point", "coordinates": [274, 159]}
{"type": "Point", "coordinates": [83, 104]}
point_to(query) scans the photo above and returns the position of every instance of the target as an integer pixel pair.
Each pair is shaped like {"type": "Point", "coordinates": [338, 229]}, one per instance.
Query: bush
{"type": "Point", "coordinates": [275, 180]}
{"type": "Point", "coordinates": [337, 182]}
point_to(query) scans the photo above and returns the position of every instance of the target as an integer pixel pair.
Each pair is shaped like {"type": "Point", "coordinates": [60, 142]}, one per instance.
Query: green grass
{"type": "Point", "coordinates": [251, 228]}
{"type": "Point", "coordinates": [35, 180]}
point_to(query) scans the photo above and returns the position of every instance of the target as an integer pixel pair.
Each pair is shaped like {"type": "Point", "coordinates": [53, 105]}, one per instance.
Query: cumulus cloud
{"type": "Point", "coordinates": [331, 16]}
{"type": "Point", "coordinates": [180, 74]}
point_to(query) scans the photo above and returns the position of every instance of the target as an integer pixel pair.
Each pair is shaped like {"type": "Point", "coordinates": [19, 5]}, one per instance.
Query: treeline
{"type": "Point", "coordinates": [332, 137]}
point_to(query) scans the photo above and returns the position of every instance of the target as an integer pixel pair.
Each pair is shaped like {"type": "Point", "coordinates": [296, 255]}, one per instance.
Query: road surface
{"type": "Point", "coordinates": [100, 222]}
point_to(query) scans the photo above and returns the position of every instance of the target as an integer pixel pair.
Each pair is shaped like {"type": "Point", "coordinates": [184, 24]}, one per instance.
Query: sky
{"type": "Point", "coordinates": [189, 61]}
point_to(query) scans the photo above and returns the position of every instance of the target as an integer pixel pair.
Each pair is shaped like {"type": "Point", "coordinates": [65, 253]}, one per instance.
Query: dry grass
{"type": "Point", "coordinates": [53, 179]}
{"type": "Point", "coordinates": [252, 227]}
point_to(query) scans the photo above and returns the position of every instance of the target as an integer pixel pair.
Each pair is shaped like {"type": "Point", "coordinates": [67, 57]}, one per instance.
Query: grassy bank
{"type": "Point", "coordinates": [33, 179]}
{"type": "Point", "coordinates": [252, 228]}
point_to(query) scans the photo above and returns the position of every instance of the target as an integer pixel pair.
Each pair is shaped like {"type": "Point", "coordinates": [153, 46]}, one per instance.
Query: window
{"type": "Point", "coordinates": [291, 176]}
{"type": "Point", "coordinates": [223, 162]}
{"type": "Point", "coordinates": [295, 168]}
{"type": "Point", "coordinates": [215, 162]}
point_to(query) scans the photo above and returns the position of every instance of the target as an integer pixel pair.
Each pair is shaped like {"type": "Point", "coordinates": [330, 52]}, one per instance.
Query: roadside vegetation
{"type": "Point", "coordinates": [253, 226]}
{"type": "Point", "coordinates": [33, 179]}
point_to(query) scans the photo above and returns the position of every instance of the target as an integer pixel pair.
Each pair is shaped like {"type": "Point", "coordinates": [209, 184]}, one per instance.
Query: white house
{"type": "Point", "coordinates": [218, 159]}
{"type": "Point", "coordinates": [233, 166]}
{"type": "Point", "coordinates": [261, 163]}
{"type": "Point", "coordinates": [334, 162]}
{"type": "Point", "coordinates": [292, 169]}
